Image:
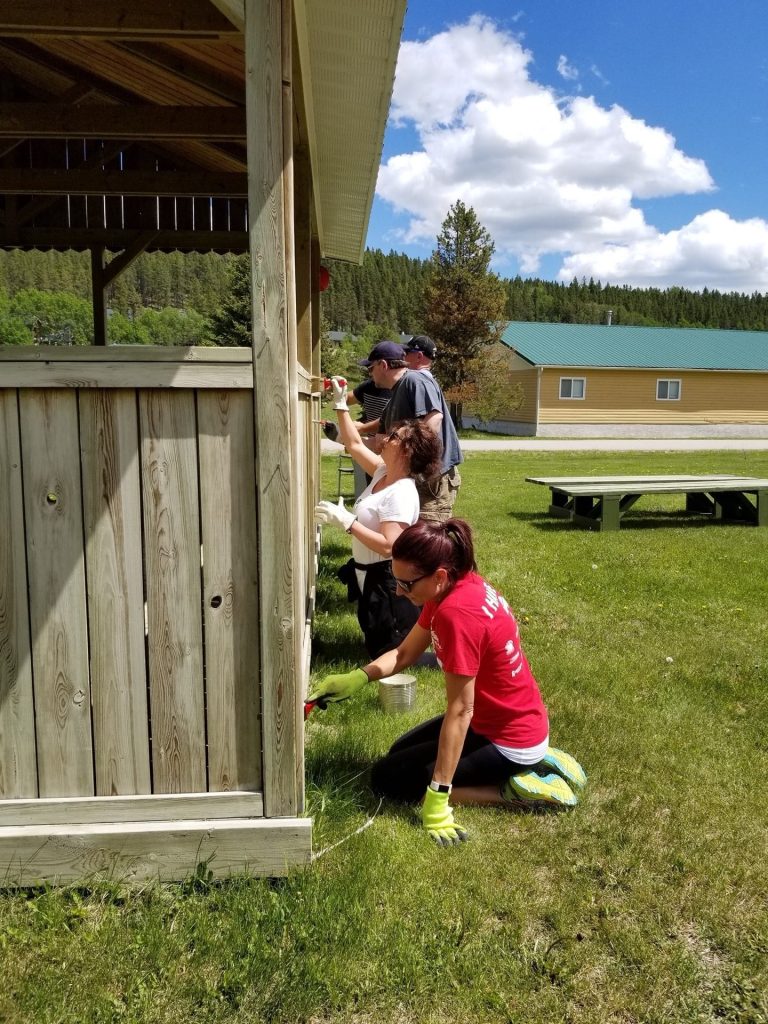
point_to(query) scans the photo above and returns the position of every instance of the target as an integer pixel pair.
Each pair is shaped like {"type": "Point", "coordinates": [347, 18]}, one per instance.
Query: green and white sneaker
{"type": "Point", "coordinates": [567, 767]}
{"type": "Point", "coordinates": [531, 789]}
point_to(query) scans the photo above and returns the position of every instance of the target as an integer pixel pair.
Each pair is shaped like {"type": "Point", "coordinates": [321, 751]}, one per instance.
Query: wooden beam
{"type": "Point", "coordinates": [298, 447]}
{"type": "Point", "coordinates": [234, 10]}
{"type": "Point", "coordinates": [22, 181]}
{"type": "Point", "coordinates": [97, 296]}
{"type": "Point", "coordinates": [303, 229]}
{"type": "Point", "coordinates": [116, 809]}
{"type": "Point", "coordinates": [36, 206]}
{"type": "Point", "coordinates": [208, 78]}
{"type": "Point", "coordinates": [108, 121]}
{"type": "Point", "coordinates": [139, 19]}
{"type": "Point", "coordinates": [59, 376]}
{"type": "Point", "coordinates": [129, 255]}
{"type": "Point", "coordinates": [272, 400]}
{"type": "Point", "coordinates": [153, 850]}
{"type": "Point", "coordinates": [114, 240]}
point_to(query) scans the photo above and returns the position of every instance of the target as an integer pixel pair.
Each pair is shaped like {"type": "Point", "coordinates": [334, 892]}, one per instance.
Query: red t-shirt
{"type": "Point", "coordinates": [474, 633]}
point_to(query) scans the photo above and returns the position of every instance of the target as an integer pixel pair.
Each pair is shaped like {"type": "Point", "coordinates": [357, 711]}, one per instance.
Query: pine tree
{"type": "Point", "coordinates": [232, 322]}
{"type": "Point", "coordinates": [464, 302]}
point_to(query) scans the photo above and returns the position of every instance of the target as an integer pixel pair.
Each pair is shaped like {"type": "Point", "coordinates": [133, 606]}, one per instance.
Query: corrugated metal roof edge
{"type": "Point", "coordinates": [632, 327]}
{"type": "Point", "coordinates": [655, 369]}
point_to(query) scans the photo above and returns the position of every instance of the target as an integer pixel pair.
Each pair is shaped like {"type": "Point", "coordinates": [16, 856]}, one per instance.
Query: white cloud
{"type": "Point", "coordinates": [545, 173]}
{"type": "Point", "coordinates": [566, 70]}
{"type": "Point", "coordinates": [713, 251]}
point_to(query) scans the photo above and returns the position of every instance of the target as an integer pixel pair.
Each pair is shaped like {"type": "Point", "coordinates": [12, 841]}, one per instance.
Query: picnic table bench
{"type": "Point", "coordinates": [600, 501]}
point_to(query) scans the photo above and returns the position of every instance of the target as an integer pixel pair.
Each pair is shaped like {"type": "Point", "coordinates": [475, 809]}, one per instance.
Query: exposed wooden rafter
{"type": "Point", "coordinates": [171, 60]}
{"type": "Point", "coordinates": [107, 121]}
{"type": "Point", "coordinates": [234, 10]}
{"type": "Point", "coordinates": [121, 183]}
{"type": "Point", "coordinates": [139, 19]}
{"type": "Point", "coordinates": [116, 240]}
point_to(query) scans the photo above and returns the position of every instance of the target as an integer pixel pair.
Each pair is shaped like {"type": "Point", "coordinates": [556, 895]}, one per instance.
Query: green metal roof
{"type": "Point", "coordinates": [671, 348]}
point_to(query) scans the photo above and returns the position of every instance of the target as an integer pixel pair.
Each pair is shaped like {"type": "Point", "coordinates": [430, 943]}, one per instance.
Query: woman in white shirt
{"type": "Point", "coordinates": [388, 505]}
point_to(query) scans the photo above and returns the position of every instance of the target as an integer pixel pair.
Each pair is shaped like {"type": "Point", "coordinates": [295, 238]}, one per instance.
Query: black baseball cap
{"type": "Point", "coordinates": [384, 350]}
{"type": "Point", "coordinates": [421, 343]}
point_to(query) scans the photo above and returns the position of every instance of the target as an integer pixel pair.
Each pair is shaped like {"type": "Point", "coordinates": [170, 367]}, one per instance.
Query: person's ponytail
{"type": "Point", "coordinates": [429, 546]}
{"type": "Point", "coordinates": [459, 533]}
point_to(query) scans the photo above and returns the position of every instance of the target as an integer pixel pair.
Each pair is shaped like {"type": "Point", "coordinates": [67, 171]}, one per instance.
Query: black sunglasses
{"type": "Point", "coordinates": [407, 585]}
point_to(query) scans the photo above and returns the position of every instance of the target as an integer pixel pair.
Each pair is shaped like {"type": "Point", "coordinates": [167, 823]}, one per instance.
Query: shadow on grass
{"type": "Point", "coordinates": [636, 520]}
{"type": "Point", "coordinates": [333, 652]}
{"type": "Point", "coordinates": [330, 766]}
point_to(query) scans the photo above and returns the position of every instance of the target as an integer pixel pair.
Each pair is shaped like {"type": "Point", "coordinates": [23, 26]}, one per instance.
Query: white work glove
{"type": "Point", "coordinates": [334, 515]}
{"type": "Point", "coordinates": [339, 396]}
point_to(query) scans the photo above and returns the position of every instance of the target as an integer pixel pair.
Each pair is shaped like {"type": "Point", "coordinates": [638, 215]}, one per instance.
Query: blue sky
{"type": "Point", "coordinates": [625, 141]}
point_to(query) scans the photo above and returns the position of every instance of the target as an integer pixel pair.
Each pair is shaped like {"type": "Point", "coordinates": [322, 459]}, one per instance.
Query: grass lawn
{"type": "Point", "coordinates": [648, 903]}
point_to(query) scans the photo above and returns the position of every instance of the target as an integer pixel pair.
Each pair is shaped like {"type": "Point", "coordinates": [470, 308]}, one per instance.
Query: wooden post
{"type": "Point", "coordinates": [298, 447]}
{"type": "Point", "coordinates": [97, 289]}
{"type": "Point", "coordinates": [273, 405]}
{"type": "Point", "coordinates": [303, 261]}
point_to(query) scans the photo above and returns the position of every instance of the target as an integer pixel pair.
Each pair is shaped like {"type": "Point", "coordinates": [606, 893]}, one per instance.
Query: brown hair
{"type": "Point", "coordinates": [429, 546]}
{"type": "Point", "coordinates": [422, 445]}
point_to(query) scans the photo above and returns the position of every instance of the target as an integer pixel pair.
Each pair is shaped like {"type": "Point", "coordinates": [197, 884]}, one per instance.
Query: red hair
{"type": "Point", "coordinates": [429, 546]}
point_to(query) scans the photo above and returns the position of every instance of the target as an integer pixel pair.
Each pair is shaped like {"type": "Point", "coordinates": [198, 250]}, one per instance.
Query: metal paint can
{"type": "Point", "coordinates": [397, 693]}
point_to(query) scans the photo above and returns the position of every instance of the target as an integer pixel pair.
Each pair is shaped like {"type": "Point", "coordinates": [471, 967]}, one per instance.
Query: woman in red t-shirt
{"type": "Point", "coordinates": [492, 744]}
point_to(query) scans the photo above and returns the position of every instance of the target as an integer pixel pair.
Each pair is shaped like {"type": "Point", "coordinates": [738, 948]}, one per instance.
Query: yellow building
{"type": "Point", "coordinates": [593, 380]}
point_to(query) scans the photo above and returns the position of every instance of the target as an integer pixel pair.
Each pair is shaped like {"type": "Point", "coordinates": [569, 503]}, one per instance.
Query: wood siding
{"type": "Point", "coordinates": [129, 640]}
{"type": "Point", "coordinates": [629, 396]}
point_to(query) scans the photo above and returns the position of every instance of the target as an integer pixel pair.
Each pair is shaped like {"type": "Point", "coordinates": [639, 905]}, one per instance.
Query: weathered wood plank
{"type": "Point", "coordinates": [125, 354]}
{"type": "Point", "coordinates": [277, 570]}
{"type": "Point", "coordinates": [172, 572]}
{"type": "Point", "coordinates": [122, 375]}
{"type": "Point", "coordinates": [690, 485]}
{"type": "Point", "coordinates": [52, 499]}
{"type": "Point", "coordinates": [561, 481]}
{"type": "Point", "coordinates": [299, 522]}
{"type": "Point", "coordinates": [141, 121]}
{"type": "Point", "coordinates": [153, 850]}
{"type": "Point", "coordinates": [99, 183]}
{"type": "Point", "coordinates": [121, 232]}
{"type": "Point", "coordinates": [230, 589]}
{"type": "Point", "coordinates": [138, 19]}
{"type": "Point", "coordinates": [112, 514]}
{"type": "Point", "coordinates": [18, 766]}
{"type": "Point", "coordinates": [153, 807]}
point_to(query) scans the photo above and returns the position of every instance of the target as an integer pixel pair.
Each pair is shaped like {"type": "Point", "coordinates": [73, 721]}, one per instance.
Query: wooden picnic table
{"type": "Point", "coordinates": [601, 501]}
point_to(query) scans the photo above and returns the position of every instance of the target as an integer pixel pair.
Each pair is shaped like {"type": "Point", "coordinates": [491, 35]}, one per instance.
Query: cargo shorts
{"type": "Point", "coordinates": [437, 496]}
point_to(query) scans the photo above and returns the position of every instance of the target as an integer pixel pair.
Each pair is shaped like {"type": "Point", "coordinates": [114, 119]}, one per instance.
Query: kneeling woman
{"type": "Point", "coordinates": [492, 744]}
{"type": "Point", "coordinates": [388, 505]}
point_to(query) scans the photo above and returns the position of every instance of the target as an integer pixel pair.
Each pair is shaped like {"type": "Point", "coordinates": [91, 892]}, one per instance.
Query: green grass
{"type": "Point", "coordinates": [648, 903]}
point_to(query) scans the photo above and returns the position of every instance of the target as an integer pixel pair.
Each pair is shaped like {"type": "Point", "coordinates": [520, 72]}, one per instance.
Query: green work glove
{"type": "Point", "coordinates": [338, 687]}
{"type": "Point", "coordinates": [437, 819]}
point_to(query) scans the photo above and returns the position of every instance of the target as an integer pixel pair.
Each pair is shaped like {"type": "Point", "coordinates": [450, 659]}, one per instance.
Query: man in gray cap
{"type": "Point", "coordinates": [417, 395]}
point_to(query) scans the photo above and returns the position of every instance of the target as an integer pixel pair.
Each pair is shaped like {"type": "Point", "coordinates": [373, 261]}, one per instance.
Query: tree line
{"type": "Point", "coordinates": [192, 298]}
{"type": "Point", "coordinates": [390, 288]}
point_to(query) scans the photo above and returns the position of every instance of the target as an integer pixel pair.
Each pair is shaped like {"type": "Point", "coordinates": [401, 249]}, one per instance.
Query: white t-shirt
{"type": "Point", "coordinates": [397, 503]}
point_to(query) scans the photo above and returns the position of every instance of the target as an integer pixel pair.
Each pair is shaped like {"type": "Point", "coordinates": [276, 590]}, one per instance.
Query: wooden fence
{"type": "Point", "coordinates": [129, 640]}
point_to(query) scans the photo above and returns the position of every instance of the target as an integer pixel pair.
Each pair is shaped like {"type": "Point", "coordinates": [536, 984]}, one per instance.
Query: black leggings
{"type": "Point", "coordinates": [406, 771]}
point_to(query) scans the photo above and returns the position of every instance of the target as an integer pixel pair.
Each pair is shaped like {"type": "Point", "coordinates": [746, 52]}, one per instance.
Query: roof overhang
{"type": "Point", "coordinates": [348, 52]}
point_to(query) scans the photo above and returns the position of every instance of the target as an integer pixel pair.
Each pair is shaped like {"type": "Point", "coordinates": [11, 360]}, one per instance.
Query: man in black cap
{"type": "Point", "coordinates": [419, 353]}
{"type": "Point", "coordinates": [417, 395]}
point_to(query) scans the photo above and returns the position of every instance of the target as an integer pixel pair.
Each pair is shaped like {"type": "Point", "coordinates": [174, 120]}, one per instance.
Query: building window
{"type": "Point", "coordinates": [573, 387]}
{"type": "Point", "coordinates": [667, 390]}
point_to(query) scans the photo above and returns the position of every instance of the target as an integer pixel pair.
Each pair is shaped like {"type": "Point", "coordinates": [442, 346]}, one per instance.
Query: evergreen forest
{"type": "Point", "coordinates": [202, 298]}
